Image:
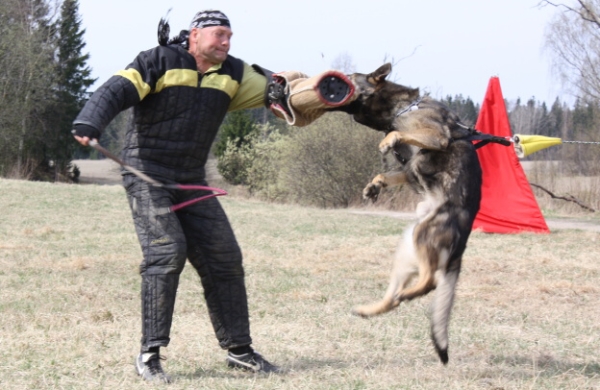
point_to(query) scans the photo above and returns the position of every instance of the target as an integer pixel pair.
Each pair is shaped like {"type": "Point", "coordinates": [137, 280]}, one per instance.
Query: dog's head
{"type": "Point", "coordinates": [378, 100]}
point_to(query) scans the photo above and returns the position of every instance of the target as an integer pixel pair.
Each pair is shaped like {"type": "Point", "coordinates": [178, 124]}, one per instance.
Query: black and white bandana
{"type": "Point", "coordinates": [209, 18]}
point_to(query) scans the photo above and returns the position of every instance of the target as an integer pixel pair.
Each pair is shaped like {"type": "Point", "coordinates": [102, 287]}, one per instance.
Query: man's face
{"type": "Point", "coordinates": [212, 43]}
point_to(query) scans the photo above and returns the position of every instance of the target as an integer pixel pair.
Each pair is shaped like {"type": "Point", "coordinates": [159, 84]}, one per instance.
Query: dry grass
{"type": "Point", "coordinates": [526, 315]}
{"type": "Point", "coordinates": [550, 175]}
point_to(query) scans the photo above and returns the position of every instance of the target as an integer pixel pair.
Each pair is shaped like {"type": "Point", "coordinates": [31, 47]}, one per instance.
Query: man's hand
{"type": "Point", "coordinates": [84, 134]}
{"type": "Point", "coordinates": [85, 141]}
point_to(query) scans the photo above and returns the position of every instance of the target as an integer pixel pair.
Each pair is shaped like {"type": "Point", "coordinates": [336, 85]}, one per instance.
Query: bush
{"type": "Point", "coordinates": [252, 161]}
{"type": "Point", "coordinates": [268, 162]}
{"type": "Point", "coordinates": [326, 164]}
{"type": "Point", "coordinates": [329, 162]}
{"type": "Point", "coordinates": [234, 161]}
{"type": "Point", "coordinates": [238, 128]}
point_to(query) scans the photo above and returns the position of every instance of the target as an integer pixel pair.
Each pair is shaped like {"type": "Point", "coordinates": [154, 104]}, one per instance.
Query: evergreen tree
{"type": "Point", "coordinates": [464, 107]}
{"type": "Point", "coordinates": [555, 119]}
{"type": "Point", "coordinates": [238, 125]}
{"type": "Point", "coordinates": [72, 82]}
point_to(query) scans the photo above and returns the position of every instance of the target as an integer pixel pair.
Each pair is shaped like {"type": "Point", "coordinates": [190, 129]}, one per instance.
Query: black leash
{"type": "Point", "coordinates": [484, 138]}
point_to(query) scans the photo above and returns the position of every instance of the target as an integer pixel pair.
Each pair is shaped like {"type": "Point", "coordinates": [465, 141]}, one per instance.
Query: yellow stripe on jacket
{"type": "Point", "coordinates": [181, 77]}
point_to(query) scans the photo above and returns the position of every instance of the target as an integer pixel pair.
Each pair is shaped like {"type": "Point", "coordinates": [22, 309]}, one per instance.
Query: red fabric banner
{"type": "Point", "coordinates": [507, 202]}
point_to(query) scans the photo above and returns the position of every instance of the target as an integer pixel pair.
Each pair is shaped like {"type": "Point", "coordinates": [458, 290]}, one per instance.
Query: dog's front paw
{"type": "Point", "coordinates": [384, 148]}
{"type": "Point", "coordinates": [371, 191]}
{"type": "Point", "coordinates": [388, 142]}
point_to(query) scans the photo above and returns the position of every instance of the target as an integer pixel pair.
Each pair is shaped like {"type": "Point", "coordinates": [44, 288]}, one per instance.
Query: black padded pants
{"type": "Point", "coordinates": [202, 234]}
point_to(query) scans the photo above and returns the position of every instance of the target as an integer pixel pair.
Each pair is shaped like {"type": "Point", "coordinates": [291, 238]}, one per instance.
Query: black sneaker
{"type": "Point", "coordinates": [149, 368]}
{"type": "Point", "coordinates": [251, 361]}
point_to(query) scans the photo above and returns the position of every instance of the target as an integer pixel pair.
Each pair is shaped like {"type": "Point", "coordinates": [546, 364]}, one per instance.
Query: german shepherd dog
{"type": "Point", "coordinates": [434, 154]}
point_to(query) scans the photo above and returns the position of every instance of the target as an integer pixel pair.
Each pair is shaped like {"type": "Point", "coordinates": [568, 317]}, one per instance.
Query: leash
{"type": "Point", "coordinates": [216, 191]}
{"type": "Point", "coordinates": [476, 135]}
{"type": "Point", "coordinates": [483, 138]}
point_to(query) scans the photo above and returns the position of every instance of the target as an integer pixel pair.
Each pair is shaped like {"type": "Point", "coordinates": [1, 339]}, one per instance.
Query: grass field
{"type": "Point", "coordinates": [527, 313]}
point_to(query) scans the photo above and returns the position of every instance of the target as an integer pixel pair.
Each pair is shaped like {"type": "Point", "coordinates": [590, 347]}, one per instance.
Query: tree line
{"type": "Point", "coordinates": [44, 81]}
{"type": "Point", "coordinates": [327, 163]}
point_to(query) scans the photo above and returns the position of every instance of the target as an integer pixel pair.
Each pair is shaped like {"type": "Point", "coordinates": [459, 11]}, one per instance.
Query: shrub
{"type": "Point", "coordinates": [325, 164]}
{"type": "Point", "coordinates": [329, 162]}
{"type": "Point", "coordinates": [268, 162]}
{"type": "Point", "coordinates": [238, 128]}
{"type": "Point", "coordinates": [234, 161]}
{"type": "Point", "coordinates": [253, 161]}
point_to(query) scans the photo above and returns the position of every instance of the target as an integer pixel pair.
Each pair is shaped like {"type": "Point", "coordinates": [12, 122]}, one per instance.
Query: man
{"type": "Point", "coordinates": [180, 92]}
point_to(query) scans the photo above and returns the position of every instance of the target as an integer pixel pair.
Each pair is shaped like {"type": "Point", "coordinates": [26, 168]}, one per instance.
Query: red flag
{"type": "Point", "coordinates": [507, 202]}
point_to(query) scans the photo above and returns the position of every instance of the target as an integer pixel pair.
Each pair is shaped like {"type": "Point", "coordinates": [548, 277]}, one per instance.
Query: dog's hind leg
{"type": "Point", "coordinates": [441, 307]}
{"type": "Point", "coordinates": [426, 281]}
{"type": "Point", "coordinates": [405, 268]}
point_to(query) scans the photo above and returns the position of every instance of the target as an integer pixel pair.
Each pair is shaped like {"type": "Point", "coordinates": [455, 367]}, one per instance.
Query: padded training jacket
{"type": "Point", "coordinates": [177, 113]}
{"type": "Point", "coordinates": [177, 110]}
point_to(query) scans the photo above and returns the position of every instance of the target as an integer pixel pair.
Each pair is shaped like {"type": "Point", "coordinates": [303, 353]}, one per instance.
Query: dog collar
{"type": "Point", "coordinates": [412, 106]}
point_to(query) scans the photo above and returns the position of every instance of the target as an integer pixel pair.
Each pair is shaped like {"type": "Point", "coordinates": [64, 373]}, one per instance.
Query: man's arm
{"type": "Point", "coordinates": [115, 95]}
{"type": "Point", "coordinates": [305, 98]}
{"type": "Point", "coordinates": [123, 90]}
{"type": "Point", "coordinates": [251, 93]}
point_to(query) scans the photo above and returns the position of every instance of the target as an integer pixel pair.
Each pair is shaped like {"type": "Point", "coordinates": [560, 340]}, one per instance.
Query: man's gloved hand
{"type": "Point", "coordinates": [81, 130]}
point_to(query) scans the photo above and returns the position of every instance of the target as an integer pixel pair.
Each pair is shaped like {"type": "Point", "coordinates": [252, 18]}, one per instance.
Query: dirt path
{"type": "Point", "coordinates": [553, 223]}
{"type": "Point", "coordinates": [107, 172]}
{"type": "Point", "coordinates": [99, 172]}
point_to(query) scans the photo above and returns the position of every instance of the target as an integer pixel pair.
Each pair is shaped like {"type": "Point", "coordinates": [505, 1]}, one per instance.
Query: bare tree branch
{"type": "Point", "coordinates": [573, 37]}
{"type": "Point", "coordinates": [568, 198]}
{"type": "Point", "coordinates": [586, 12]}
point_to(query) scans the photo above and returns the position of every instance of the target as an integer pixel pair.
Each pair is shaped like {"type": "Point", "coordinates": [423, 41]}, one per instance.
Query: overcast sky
{"type": "Point", "coordinates": [442, 47]}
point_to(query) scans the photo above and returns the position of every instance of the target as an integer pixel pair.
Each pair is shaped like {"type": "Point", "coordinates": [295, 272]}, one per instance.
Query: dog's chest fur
{"type": "Point", "coordinates": [456, 173]}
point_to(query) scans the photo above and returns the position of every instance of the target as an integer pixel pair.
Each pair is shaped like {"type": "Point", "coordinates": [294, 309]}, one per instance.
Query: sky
{"type": "Point", "coordinates": [442, 47]}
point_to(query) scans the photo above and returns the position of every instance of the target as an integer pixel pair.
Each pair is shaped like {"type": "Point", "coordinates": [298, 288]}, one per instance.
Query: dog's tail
{"type": "Point", "coordinates": [441, 307]}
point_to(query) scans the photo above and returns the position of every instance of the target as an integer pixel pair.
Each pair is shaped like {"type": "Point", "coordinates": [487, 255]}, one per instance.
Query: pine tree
{"type": "Point", "coordinates": [237, 126]}
{"type": "Point", "coordinates": [72, 83]}
{"type": "Point", "coordinates": [463, 107]}
{"type": "Point", "coordinates": [556, 119]}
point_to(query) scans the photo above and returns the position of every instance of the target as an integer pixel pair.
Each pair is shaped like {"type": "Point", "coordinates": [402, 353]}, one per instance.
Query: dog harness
{"type": "Point", "coordinates": [472, 133]}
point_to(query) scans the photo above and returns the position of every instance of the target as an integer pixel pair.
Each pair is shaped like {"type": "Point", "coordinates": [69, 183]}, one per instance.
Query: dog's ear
{"type": "Point", "coordinates": [380, 74]}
